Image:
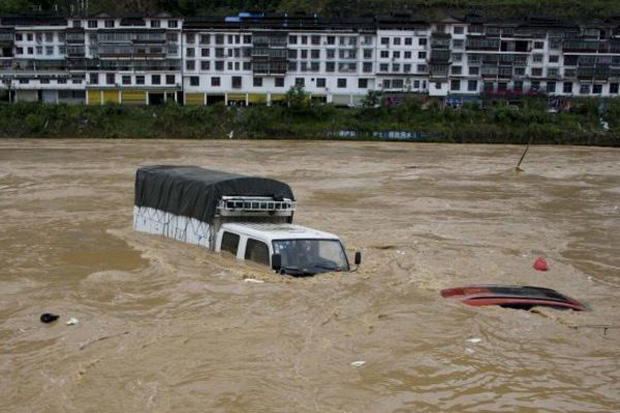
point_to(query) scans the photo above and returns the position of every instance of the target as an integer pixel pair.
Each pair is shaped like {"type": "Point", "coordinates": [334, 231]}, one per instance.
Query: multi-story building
{"type": "Point", "coordinates": [256, 58]}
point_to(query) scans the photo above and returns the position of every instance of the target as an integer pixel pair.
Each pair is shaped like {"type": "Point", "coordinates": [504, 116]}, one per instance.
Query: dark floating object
{"type": "Point", "coordinates": [512, 296]}
{"type": "Point", "coordinates": [49, 317]}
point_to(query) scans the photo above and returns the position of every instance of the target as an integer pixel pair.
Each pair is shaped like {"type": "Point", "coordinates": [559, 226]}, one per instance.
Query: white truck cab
{"type": "Point", "coordinates": [250, 217]}
{"type": "Point", "coordinates": [287, 248]}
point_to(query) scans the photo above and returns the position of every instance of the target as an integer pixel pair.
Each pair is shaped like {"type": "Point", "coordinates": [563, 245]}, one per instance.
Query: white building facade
{"type": "Point", "coordinates": [256, 58]}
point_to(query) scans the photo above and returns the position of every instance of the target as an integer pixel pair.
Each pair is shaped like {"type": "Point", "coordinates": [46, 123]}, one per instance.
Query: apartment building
{"type": "Point", "coordinates": [255, 58]}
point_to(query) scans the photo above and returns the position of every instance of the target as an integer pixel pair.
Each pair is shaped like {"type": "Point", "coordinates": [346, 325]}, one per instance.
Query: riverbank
{"type": "Point", "coordinates": [586, 123]}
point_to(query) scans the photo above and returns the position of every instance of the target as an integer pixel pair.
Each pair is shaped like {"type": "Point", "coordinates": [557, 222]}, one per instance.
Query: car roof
{"type": "Point", "coordinates": [271, 231]}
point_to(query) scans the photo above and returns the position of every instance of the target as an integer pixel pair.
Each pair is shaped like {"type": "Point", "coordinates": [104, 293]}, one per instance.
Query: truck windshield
{"type": "Point", "coordinates": [311, 256]}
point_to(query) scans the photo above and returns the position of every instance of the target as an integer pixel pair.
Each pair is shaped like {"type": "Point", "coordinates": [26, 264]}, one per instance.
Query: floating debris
{"type": "Point", "coordinates": [253, 280]}
{"type": "Point", "coordinates": [474, 340]}
{"type": "Point", "coordinates": [358, 363]}
{"type": "Point", "coordinates": [48, 318]}
{"type": "Point", "coordinates": [72, 321]}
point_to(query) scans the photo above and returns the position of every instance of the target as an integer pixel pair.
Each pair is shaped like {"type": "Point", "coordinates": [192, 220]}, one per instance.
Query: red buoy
{"type": "Point", "coordinates": [541, 265]}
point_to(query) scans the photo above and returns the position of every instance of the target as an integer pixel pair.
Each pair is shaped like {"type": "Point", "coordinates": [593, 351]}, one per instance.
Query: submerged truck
{"type": "Point", "coordinates": [249, 217]}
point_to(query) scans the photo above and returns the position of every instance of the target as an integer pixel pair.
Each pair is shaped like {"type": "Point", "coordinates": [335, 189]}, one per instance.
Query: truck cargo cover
{"type": "Point", "coordinates": [194, 192]}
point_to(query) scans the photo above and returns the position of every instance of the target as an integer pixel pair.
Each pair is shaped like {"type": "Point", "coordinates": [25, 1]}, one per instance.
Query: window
{"type": "Point", "coordinates": [320, 82]}
{"type": "Point", "coordinates": [458, 43]}
{"type": "Point", "coordinates": [330, 66]}
{"type": "Point", "coordinates": [257, 251]}
{"type": "Point", "coordinates": [385, 54]}
{"type": "Point", "coordinates": [362, 83]}
{"type": "Point", "coordinates": [387, 84]}
{"type": "Point", "coordinates": [518, 86]}
{"type": "Point", "coordinates": [170, 79]}
{"type": "Point", "coordinates": [230, 39]}
{"type": "Point", "coordinates": [300, 81]}
{"type": "Point", "coordinates": [342, 83]}
{"type": "Point", "coordinates": [383, 67]}
{"type": "Point", "coordinates": [408, 41]}
{"type": "Point", "coordinates": [219, 52]}
{"type": "Point", "coordinates": [205, 39]}
{"type": "Point", "coordinates": [535, 85]}
{"type": "Point", "coordinates": [385, 41]}
{"type": "Point", "coordinates": [304, 54]}
{"type": "Point", "coordinates": [194, 81]}
{"type": "Point", "coordinates": [190, 38]}
{"type": "Point", "coordinates": [92, 24]}
{"type": "Point", "coordinates": [519, 71]}
{"type": "Point", "coordinates": [331, 40]}
{"type": "Point", "coordinates": [126, 80]}
{"type": "Point", "coordinates": [30, 50]}
{"type": "Point", "coordinates": [367, 53]}
{"type": "Point", "coordinates": [247, 66]}
{"type": "Point", "coordinates": [18, 37]}
{"type": "Point", "coordinates": [44, 81]}
{"type": "Point", "coordinates": [230, 66]}
{"type": "Point", "coordinates": [140, 80]}
{"type": "Point", "coordinates": [422, 41]}
{"type": "Point", "coordinates": [110, 78]}
{"type": "Point", "coordinates": [215, 81]}
{"type": "Point", "coordinates": [236, 82]}
{"type": "Point", "coordinates": [457, 70]}
{"type": "Point", "coordinates": [472, 86]}
{"type": "Point", "coordinates": [613, 88]}
{"type": "Point", "coordinates": [230, 241]}
{"type": "Point", "coordinates": [77, 24]}
{"type": "Point", "coordinates": [257, 82]}
{"type": "Point", "coordinates": [292, 39]}
{"type": "Point", "coordinates": [459, 30]}
{"type": "Point", "coordinates": [315, 39]}
{"type": "Point", "coordinates": [396, 55]}
{"type": "Point", "coordinates": [396, 41]}
{"type": "Point", "coordinates": [156, 79]}
{"type": "Point", "coordinates": [171, 37]}
{"type": "Point", "coordinates": [584, 89]}
{"type": "Point", "coordinates": [421, 55]}
{"type": "Point", "coordinates": [49, 50]}
{"type": "Point", "coordinates": [279, 82]}
{"type": "Point", "coordinates": [568, 87]}
{"type": "Point", "coordinates": [19, 50]}
{"type": "Point", "coordinates": [219, 66]}
{"type": "Point", "coordinates": [550, 87]}
{"type": "Point", "coordinates": [395, 67]}
{"type": "Point", "coordinates": [407, 68]}
{"type": "Point", "coordinates": [190, 65]}
{"type": "Point", "coordinates": [553, 72]}
{"type": "Point", "coordinates": [49, 37]}
{"type": "Point", "coordinates": [94, 78]}
{"type": "Point", "coordinates": [539, 45]}
{"type": "Point", "coordinates": [536, 71]}
{"type": "Point", "coordinates": [457, 57]}
{"type": "Point", "coordinates": [367, 67]}
{"type": "Point", "coordinates": [407, 55]}
{"type": "Point", "coordinates": [247, 39]}
{"type": "Point", "coordinates": [315, 54]}
{"type": "Point", "coordinates": [422, 68]}
{"type": "Point", "coordinates": [304, 39]}
{"type": "Point", "coordinates": [597, 89]}
{"type": "Point", "coordinates": [537, 58]}
{"type": "Point", "coordinates": [190, 52]}
{"type": "Point", "coordinates": [109, 24]}
{"type": "Point", "coordinates": [173, 24]}
{"type": "Point", "coordinates": [24, 80]}
{"type": "Point", "coordinates": [219, 39]}
{"type": "Point", "coordinates": [204, 52]}
{"type": "Point", "coordinates": [39, 50]}
{"type": "Point", "coordinates": [156, 24]}
{"type": "Point", "coordinates": [205, 65]}
{"type": "Point", "coordinates": [554, 58]}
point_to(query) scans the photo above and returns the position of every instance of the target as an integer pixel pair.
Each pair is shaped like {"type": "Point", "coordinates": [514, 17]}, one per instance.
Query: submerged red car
{"type": "Point", "coordinates": [512, 296]}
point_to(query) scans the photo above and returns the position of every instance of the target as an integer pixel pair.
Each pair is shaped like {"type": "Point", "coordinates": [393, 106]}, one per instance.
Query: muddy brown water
{"type": "Point", "coordinates": [168, 327]}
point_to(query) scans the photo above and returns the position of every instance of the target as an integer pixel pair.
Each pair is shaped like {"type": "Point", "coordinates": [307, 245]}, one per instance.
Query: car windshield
{"type": "Point", "coordinates": [311, 256]}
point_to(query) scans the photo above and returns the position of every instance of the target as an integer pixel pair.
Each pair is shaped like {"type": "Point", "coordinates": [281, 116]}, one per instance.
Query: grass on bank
{"type": "Point", "coordinates": [494, 122]}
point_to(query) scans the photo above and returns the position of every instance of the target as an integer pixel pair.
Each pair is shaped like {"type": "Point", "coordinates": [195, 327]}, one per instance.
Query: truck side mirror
{"type": "Point", "coordinates": [276, 262]}
{"type": "Point", "coordinates": [358, 258]}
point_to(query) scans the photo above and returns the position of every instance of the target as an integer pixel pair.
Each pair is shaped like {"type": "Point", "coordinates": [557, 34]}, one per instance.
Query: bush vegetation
{"type": "Point", "coordinates": [300, 117]}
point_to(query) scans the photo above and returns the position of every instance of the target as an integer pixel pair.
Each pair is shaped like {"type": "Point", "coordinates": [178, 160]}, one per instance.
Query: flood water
{"type": "Point", "coordinates": [169, 327]}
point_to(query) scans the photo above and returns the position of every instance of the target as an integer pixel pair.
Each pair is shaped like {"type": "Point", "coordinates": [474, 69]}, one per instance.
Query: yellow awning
{"type": "Point", "coordinates": [111, 96]}
{"type": "Point", "coordinates": [236, 96]}
{"type": "Point", "coordinates": [257, 98]}
{"type": "Point", "coordinates": [133, 97]}
{"type": "Point", "coordinates": [94, 97]}
{"type": "Point", "coordinates": [278, 96]}
{"type": "Point", "coordinates": [193, 99]}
